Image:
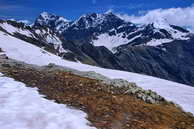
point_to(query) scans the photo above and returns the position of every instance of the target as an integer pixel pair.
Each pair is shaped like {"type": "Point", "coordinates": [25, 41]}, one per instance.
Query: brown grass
{"type": "Point", "coordinates": [105, 110]}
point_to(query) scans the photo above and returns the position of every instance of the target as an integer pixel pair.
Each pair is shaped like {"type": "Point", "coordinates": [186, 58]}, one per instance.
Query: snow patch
{"type": "Point", "coordinates": [162, 23]}
{"type": "Point", "coordinates": [63, 19]}
{"type": "Point", "coordinates": [53, 39]}
{"type": "Point", "coordinates": [24, 108]}
{"type": "Point", "coordinates": [11, 29]}
{"type": "Point", "coordinates": [113, 41]}
{"type": "Point", "coordinates": [110, 42]}
{"type": "Point", "coordinates": [157, 42]}
{"type": "Point", "coordinates": [37, 31]}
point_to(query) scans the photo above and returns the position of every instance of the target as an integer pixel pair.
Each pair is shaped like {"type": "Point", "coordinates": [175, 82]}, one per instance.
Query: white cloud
{"type": "Point", "coordinates": [176, 16]}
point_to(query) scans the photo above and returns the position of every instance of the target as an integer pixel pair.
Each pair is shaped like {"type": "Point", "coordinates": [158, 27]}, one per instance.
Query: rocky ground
{"type": "Point", "coordinates": [110, 104]}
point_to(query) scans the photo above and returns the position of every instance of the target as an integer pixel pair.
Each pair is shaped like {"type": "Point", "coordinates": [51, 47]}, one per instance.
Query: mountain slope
{"type": "Point", "coordinates": [104, 104]}
{"type": "Point", "coordinates": [113, 43]}
{"type": "Point", "coordinates": [45, 38]}
{"type": "Point", "coordinates": [24, 51]}
{"type": "Point", "coordinates": [158, 49]}
{"type": "Point", "coordinates": [170, 61]}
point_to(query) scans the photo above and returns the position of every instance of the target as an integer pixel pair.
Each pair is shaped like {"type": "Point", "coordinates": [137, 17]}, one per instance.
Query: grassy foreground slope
{"type": "Point", "coordinates": [108, 107]}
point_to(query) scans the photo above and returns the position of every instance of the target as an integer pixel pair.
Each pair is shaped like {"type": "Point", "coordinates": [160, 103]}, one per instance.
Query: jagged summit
{"type": "Point", "coordinates": [87, 20]}
{"type": "Point", "coordinates": [50, 16]}
{"type": "Point", "coordinates": [53, 21]}
{"type": "Point", "coordinates": [96, 20]}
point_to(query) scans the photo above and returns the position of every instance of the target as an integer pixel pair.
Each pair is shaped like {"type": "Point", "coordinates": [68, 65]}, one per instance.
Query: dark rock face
{"type": "Point", "coordinates": [76, 54]}
{"type": "Point", "coordinates": [102, 56]}
{"type": "Point", "coordinates": [179, 29]}
{"type": "Point", "coordinates": [171, 61]}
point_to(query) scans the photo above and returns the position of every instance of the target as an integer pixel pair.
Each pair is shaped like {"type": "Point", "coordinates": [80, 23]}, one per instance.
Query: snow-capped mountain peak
{"type": "Point", "coordinates": [94, 20]}
{"type": "Point", "coordinates": [50, 16]}
{"type": "Point", "coordinates": [52, 21]}
{"type": "Point", "coordinates": [45, 15]}
{"type": "Point", "coordinates": [177, 33]}
{"type": "Point", "coordinates": [161, 23]}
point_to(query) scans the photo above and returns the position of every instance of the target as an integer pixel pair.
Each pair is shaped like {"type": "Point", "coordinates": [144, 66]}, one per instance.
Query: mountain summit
{"type": "Point", "coordinates": [52, 21]}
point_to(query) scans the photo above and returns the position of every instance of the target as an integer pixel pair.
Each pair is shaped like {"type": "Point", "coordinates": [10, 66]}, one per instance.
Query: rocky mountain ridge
{"type": "Point", "coordinates": [92, 27]}
{"type": "Point", "coordinates": [105, 40]}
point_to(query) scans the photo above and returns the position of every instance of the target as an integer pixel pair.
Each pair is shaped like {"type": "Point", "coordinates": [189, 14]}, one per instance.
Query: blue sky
{"type": "Point", "coordinates": [72, 9]}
